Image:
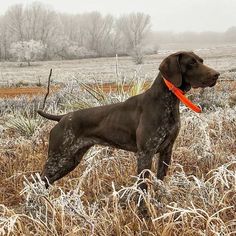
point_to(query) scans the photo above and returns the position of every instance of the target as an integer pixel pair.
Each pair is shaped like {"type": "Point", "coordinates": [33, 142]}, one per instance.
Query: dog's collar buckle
{"type": "Point", "coordinates": [180, 95]}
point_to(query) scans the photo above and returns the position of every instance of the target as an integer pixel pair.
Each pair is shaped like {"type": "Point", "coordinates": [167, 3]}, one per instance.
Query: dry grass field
{"type": "Point", "coordinates": [100, 197]}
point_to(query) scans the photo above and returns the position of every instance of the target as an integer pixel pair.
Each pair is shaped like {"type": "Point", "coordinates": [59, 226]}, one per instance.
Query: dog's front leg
{"type": "Point", "coordinates": [164, 161]}
{"type": "Point", "coordinates": [144, 163]}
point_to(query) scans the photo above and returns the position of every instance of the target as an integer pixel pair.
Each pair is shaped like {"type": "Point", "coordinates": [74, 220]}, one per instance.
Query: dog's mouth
{"type": "Point", "coordinates": [213, 83]}
{"type": "Point", "coordinates": [210, 83]}
{"type": "Point", "coordinates": [185, 86]}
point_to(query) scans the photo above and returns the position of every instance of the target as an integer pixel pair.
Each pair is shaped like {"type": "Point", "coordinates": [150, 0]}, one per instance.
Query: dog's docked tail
{"type": "Point", "coordinates": [49, 116]}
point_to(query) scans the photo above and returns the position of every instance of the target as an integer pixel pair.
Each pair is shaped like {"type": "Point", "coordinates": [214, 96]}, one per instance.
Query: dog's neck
{"type": "Point", "coordinates": [169, 95]}
{"type": "Point", "coordinates": [160, 95]}
{"type": "Point", "coordinates": [160, 92]}
{"type": "Point", "coordinates": [159, 88]}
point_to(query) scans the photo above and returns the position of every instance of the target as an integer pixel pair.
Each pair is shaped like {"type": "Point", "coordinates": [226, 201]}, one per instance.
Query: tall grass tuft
{"type": "Point", "coordinates": [24, 124]}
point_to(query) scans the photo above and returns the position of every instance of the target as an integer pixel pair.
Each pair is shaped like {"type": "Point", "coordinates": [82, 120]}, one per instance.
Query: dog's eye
{"type": "Point", "coordinates": [193, 63]}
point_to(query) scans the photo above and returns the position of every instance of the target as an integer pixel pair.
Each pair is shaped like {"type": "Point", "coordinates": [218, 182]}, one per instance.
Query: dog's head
{"type": "Point", "coordinates": [186, 70]}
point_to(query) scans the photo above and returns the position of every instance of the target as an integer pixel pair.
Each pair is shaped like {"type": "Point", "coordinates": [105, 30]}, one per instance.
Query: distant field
{"type": "Point", "coordinates": [222, 57]}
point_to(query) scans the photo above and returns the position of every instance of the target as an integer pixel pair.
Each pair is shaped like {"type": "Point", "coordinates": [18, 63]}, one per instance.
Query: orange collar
{"type": "Point", "coordinates": [180, 95]}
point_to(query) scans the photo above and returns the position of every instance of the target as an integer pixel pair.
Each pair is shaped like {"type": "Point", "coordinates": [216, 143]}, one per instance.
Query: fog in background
{"type": "Point", "coordinates": [167, 15]}
{"type": "Point", "coordinates": [72, 29]}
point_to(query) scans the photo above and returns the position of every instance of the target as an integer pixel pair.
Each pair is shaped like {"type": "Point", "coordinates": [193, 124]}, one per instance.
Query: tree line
{"type": "Point", "coordinates": [69, 36]}
{"type": "Point", "coordinates": [38, 32]}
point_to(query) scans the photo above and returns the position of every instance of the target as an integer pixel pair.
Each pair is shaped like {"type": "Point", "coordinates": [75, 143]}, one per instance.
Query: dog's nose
{"type": "Point", "coordinates": [216, 75]}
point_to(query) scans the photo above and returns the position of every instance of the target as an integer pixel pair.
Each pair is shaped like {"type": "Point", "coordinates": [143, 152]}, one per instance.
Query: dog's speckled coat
{"type": "Point", "coordinates": [145, 124]}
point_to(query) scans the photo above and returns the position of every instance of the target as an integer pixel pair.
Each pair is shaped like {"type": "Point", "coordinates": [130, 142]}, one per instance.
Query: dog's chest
{"type": "Point", "coordinates": [172, 130]}
{"type": "Point", "coordinates": [165, 133]}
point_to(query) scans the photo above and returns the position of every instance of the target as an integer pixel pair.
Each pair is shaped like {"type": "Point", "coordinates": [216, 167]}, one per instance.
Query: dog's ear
{"type": "Point", "coordinates": [170, 69]}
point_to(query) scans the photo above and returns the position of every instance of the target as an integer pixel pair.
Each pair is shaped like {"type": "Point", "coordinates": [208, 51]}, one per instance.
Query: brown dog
{"type": "Point", "coordinates": [145, 124]}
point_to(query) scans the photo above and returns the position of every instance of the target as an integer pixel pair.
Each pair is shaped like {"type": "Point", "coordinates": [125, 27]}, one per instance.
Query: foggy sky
{"type": "Point", "coordinates": [166, 15]}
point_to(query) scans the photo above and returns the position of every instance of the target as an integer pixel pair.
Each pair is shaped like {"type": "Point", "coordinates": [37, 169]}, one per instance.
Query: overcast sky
{"type": "Point", "coordinates": [167, 15]}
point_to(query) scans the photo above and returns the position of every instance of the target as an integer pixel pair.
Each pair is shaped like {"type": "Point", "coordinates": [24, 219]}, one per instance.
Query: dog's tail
{"type": "Point", "coordinates": [49, 116]}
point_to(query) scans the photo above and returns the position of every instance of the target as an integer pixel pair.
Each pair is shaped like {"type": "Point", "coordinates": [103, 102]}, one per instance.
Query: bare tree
{"type": "Point", "coordinates": [15, 22]}
{"type": "Point", "coordinates": [42, 24]}
{"type": "Point", "coordinates": [134, 27]}
{"type": "Point", "coordinates": [117, 47]}
{"type": "Point", "coordinates": [98, 31]}
{"type": "Point", "coordinates": [73, 28]}
{"type": "Point", "coordinates": [4, 39]}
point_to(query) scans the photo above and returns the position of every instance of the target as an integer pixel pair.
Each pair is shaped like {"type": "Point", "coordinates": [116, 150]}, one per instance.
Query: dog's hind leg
{"type": "Point", "coordinates": [60, 164]}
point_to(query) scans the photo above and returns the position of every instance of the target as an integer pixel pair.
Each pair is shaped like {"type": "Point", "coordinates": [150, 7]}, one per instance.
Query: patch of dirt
{"type": "Point", "coordinates": [31, 91]}
{"type": "Point", "coordinates": [28, 91]}
{"type": "Point", "coordinates": [106, 87]}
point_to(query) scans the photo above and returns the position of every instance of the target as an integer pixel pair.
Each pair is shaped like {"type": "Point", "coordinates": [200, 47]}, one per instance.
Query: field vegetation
{"type": "Point", "coordinates": [197, 197]}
